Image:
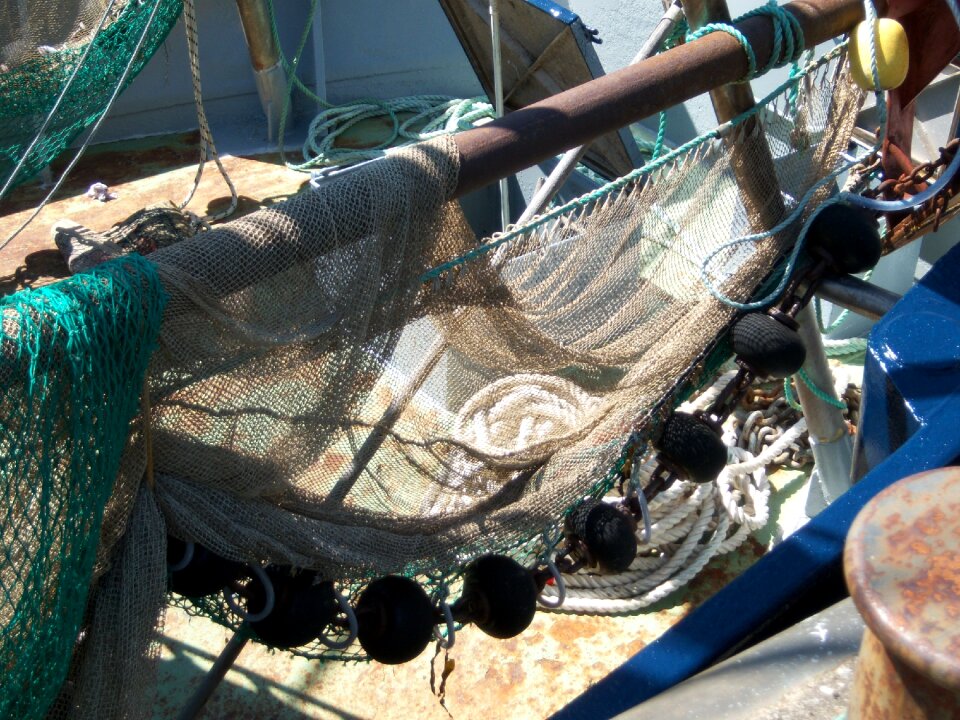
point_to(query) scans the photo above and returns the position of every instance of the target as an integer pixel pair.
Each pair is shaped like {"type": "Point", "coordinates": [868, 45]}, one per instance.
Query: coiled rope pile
{"type": "Point", "coordinates": [691, 523]}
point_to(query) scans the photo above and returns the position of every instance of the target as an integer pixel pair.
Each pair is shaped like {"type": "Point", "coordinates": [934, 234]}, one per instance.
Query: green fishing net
{"type": "Point", "coordinates": [53, 49]}
{"type": "Point", "coordinates": [72, 359]}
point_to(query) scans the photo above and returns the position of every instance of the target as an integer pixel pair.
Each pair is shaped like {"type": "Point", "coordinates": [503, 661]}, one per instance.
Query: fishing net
{"type": "Point", "coordinates": [72, 361]}
{"type": "Point", "coordinates": [83, 50]}
{"type": "Point", "coordinates": [349, 382]}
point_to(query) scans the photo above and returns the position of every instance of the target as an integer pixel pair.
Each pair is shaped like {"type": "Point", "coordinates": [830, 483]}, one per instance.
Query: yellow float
{"type": "Point", "coordinates": [893, 53]}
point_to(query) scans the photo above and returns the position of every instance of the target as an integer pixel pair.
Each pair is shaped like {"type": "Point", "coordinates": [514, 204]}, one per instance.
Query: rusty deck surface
{"type": "Point", "coordinates": [530, 676]}
{"type": "Point", "coordinates": [141, 173]}
{"type": "Point", "coordinates": [527, 677]}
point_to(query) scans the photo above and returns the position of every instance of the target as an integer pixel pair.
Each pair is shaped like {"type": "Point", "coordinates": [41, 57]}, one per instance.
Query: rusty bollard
{"type": "Point", "coordinates": [902, 565]}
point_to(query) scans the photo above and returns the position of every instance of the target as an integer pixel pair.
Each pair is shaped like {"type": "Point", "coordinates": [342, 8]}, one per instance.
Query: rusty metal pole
{"type": "Point", "coordinates": [902, 565]}
{"type": "Point", "coordinates": [525, 137]}
{"type": "Point", "coordinates": [750, 153]}
{"type": "Point", "coordinates": [265, 59]}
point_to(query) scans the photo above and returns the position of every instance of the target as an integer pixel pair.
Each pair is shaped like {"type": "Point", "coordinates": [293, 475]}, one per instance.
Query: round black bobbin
{"type": "Point", "coordinates": [768, 346]}
{"type": "Point", "coordinates": [608, 533]}
{"type": "Point", "coordinates": [499, 596]}
{"type": "Point", "coordinates": [690, 445]}
{"type": "Point", "coordinates": [847, 237]}
{"type": "Point", "coordinates": [395, 620]}
{"type": "Point", "coordinates": [304, 605]}
{"type": "Point", "coordinates": [204, 573]}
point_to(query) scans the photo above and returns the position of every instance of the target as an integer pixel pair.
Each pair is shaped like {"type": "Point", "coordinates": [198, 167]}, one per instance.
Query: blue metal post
{"type": "Point", "coordinates": [910, 421]}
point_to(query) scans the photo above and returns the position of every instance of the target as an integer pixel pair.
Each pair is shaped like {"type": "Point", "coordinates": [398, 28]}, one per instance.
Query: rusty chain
{"type": "Point", "coordinates": [921, 174]}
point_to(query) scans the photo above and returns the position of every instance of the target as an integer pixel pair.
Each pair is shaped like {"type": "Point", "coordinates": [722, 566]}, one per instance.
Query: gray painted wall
{"type": "Point", "coordinates": [372, 48]}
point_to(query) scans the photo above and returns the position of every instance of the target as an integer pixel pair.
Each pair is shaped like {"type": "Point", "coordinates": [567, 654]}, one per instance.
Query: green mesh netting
{"type": "Point", "coordinates": [41, 45]}
{"type": "Point", "coordinates": [72, 359]}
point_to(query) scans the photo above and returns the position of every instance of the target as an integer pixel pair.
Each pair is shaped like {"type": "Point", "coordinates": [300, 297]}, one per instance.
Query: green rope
{"type": "Point", "coordinates": [661, 136]}
{"type": "Point", "coordinates": [844, 348]}
{"type": "Point", "coordinates": [431, 115]}
{"type": "Point", "coordinates": [788, 42]}
{"type": "Point", "coordinates": [676, 36]}
{"type": "Point", "coordinates": [818, 392]}
{"type": "Point", "coordinates": [818, 310]}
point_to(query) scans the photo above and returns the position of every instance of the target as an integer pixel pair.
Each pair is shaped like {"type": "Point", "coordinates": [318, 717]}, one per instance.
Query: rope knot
{"type": "Point", "coordinates": [788, 40]}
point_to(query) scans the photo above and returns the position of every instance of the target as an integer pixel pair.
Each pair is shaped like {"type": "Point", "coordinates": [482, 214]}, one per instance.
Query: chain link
{"type": "Point", "coordinates": [921, 174]}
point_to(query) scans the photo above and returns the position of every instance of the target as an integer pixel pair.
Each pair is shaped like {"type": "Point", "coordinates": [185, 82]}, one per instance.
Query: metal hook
{"type": "Point", "coordinates": [351, 624]}
{"type": "Point", "coordinates": [446, 642]}
{"type": "Point", "coordinates": [188, 551]}
{"type": "Point", "coordinates": [561, 587]}
{"type": "Point", "coordinates": [268, 602]}
{"type": "Point", "coordinates": [641, 498]}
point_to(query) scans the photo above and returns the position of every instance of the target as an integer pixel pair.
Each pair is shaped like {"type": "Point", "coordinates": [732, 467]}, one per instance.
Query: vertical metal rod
{"type": "Point", "coordinates": [498, 102]}
{"type": "Point", "coordinates": [569, 161]}
{"type": "Point", "coordinates": [319, 57]}
{"type": "Point", "coordinates": [265, 57]}
{"type": "Point", "coordinates": [830, 439]}
{"type": "Point", "coordinates": [390, 416]}
{"type": "Point", "coordinates": [215, 676]}
{"type": "Point", "coordinates": [756, 178]}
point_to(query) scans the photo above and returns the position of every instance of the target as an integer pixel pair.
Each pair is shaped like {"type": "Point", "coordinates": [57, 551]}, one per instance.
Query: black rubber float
{"type": "Point", "coordinates": [499, 596]}
{"type": "Point", "coordinates": [608, 533]}
{"type": "Point", "coordinates": [304, 604]}
{"type": "Point", "coordinates": [847, 236]}
{"type": "Point", "coordinates": [395, 620]}
{"type": "Point", "coordinates": [767, 345]}
{"type": "Point", "coordinates": [206, 573]}
{"type": "Point", "coordinates": [690, 445]}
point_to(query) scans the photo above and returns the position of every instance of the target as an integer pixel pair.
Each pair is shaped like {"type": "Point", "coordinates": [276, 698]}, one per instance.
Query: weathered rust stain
{"type": "Point", "coordinates": [902, 562]}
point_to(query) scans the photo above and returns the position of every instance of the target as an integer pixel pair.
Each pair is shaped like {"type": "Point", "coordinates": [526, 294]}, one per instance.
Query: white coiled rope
{"type": "Point", "coordinates": [690, 525]}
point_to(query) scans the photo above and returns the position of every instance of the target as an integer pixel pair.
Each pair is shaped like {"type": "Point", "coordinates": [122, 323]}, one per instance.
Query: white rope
{"type": "Point", "coordinates": [208, 149]}
{"type": "Point", "coordinates": [690, 525]}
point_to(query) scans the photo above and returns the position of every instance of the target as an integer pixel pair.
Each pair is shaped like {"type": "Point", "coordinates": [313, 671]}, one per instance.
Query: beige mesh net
{"type": "Point", "coordinates": [332, 392]}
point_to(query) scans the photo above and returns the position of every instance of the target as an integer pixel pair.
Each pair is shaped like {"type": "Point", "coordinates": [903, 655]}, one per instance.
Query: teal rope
{"type": "Point", "coordinates": [435, 114]}
{"type": "Point", "coordinates": [817, 391]}
{"type": "Point", "coordinates": [789, 396]}
{"type": "Point", "coordinates": [661, 136]}
{"type": "Point", "coordinates": [788, 41]}
{"type": "Point", "coordinates": [818, 311]}
{"type": "Point", "coordinates": [844, 348]}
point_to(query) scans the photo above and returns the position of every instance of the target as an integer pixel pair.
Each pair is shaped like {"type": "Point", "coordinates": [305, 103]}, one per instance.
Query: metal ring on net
{"type": "Point", "coordinates": [446, 642]}
{"type": "Point", "coordinates": [269, 597]}
{"type": "Point", "coordinates": [188, 551]}
{"type": "Point", "coordinates": [347, 610]}
{"type": "Point", "coordinates": [560, 584]}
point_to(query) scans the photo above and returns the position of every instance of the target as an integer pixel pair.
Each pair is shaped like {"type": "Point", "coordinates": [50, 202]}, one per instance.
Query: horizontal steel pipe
{"type": "Point", "coordinates": [519, 140]}
{"type": "Point", "coordinates": [854, 294]}
{"type": "Point", "coordinates": [574, 117]}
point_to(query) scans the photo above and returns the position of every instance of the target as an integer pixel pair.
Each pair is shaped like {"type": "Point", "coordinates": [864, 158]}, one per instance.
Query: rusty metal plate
{"type": "Point", "coordinates": [902, 563]}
